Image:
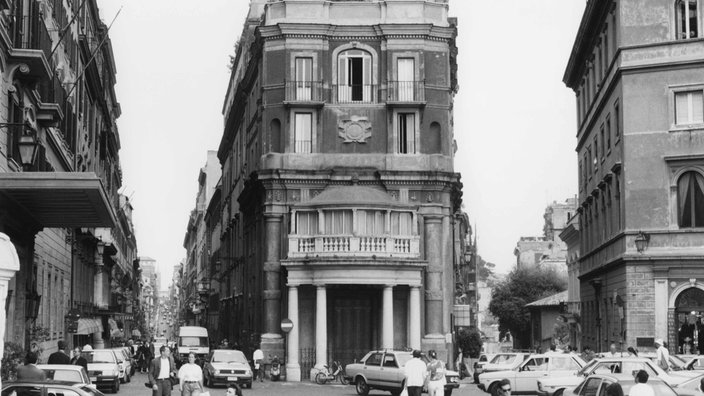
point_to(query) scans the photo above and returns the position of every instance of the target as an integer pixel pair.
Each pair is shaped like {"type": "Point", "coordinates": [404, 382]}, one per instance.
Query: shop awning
{"type": "Point", "coordinates": [58, 199]}
{"type": "Point", "coordinates": [89, 326]}
{"type": "Point", "coordinates": [136, 333]}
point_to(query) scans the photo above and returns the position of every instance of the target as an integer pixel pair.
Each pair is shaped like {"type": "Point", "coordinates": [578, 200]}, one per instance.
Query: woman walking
{"type": "Point", "coordinates": [191, 377]}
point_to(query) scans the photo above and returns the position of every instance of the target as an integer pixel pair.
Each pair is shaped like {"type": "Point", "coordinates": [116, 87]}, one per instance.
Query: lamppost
{"type": "Point", "coordinates": [203, 293]}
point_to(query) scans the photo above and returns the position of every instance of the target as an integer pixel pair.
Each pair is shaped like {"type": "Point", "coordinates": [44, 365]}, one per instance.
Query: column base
{"type": "Point", "coordinates": [272, 345]}
{"type": "Point", "coordinates": [98, 342]}
{"type": "Point", "coordinates": [437, 343]}
{"type": "Point", "coordinates": [293, 372]}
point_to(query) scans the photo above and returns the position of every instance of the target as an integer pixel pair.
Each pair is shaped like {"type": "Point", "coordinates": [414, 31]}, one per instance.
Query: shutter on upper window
{"type": "Point", "coordinates": [681, 108]}
{"type": "Point", "coordinates": [698, 107]}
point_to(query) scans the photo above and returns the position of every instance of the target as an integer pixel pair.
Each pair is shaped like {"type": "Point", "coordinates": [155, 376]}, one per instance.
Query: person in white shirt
{"type": "Point", "coordinates": [191, 377]}
{"type": "Point", "coordinates": [258, 357]}
{"type": "Point", "coordinates": [613, 352]}
{"type": "Point", "coordinates": [416, 372]}
{"type": "Point", "coordinates": [663, 355]}
{"type": "Point", "coordinates": [641, 388]}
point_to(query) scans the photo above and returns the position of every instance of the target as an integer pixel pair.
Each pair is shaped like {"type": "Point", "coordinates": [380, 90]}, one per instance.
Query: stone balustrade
{"type": "Point", "coordinates": [403, 246]}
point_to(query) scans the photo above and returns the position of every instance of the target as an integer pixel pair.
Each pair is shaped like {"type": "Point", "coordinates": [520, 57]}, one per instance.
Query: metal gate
{"type": "Point", "coordinates": [306, 357]}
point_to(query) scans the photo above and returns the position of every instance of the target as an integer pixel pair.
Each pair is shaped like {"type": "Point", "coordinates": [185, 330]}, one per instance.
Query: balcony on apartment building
{"type": "Point", "coordinates": [312, 93]}
{"type": "Point", "coordinates": [406, 92]}
{"type": "Point", "coordinates": [31, 42]}
{"type": "Point", "coordinates": [308, 93]}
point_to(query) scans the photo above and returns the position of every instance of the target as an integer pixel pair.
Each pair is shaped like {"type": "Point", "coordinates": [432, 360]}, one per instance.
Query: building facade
{"type": "Point", "coordinates": [636, 69]}
{"type": "Point", "coordinates": [60, 175]}
{"type": "Point", "coordinates": [338, 188]}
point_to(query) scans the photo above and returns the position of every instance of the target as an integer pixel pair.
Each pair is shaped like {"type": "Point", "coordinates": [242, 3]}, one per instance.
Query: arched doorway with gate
{"type": "Point", "coordinates": [687, 331]}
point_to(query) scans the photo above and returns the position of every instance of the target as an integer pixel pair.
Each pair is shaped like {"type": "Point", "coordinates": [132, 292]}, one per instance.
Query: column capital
{"type": "Point", "coordinates": [432, 218]}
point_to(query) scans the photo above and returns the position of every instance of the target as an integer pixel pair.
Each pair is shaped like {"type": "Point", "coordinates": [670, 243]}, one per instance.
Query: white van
{"type": "Point", "coordinates": [193, 339]}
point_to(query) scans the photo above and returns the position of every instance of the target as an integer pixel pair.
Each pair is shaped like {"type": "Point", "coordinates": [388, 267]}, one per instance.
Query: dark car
{"type": "Point", "coordinates": [47, 388]}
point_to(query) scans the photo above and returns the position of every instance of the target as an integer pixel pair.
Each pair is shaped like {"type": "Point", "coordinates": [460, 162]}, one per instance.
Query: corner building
{"type": "Point", "coordinates": [339, 191]}
{"type": "Point", "coordinates": [637, 70]}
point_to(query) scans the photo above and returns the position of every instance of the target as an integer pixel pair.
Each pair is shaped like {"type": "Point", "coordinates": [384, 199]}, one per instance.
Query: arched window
{"type": "Point", "coordinates": [687, 18]}
{"type": "Point", "coordinates": [354, 76]}
{"type": "Point", "coordinates": [690, 199]}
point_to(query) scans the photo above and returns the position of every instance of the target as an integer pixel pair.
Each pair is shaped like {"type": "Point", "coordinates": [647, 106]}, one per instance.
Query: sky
{"type": "Point", "coordinates": [515, 121]}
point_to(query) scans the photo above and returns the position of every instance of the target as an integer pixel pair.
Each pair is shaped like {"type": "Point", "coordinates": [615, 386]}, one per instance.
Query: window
{"type": "Point", "coordinates": [374, 359]}
{"type": "Point", "coordinates": [608, 132]}
{"type": "Point", "coordinates": [590, 159]}
{"type": "Point", "coordinates": [303, 131]}
{"type": "Point", "coordinates": [304, 78]}
{"type": "Point", "coordinates": [603, 149]}
{"type": "Point", "coordinates": [371, 222]}
{"type": "Point", "coordinates": [689, 107]}
{"type": "Point", "coordinates": [617, 122]}
{"type": "Point", "coordinates": [687, 19]}
{"type": "Point", "coordinates": [401, 223]}
{"type": "Point", "coordinates": [307, 223]}
{"type": "Point", "coordinates": [354, 77]}
{"type": "Point", "coordinates": [690, 199]}
{"type": "Point", "coordinates": [596, 152]}
{"type": "Point", "coordinates": [405, 79]}
{"type": "Point", "coordinates": [338, 222]}
{"type": "Point", "coordinates": [406, 132]}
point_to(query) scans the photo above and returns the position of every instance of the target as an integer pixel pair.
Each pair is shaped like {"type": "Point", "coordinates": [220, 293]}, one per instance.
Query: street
{"type": "Point", "coordinates": [136, 387]}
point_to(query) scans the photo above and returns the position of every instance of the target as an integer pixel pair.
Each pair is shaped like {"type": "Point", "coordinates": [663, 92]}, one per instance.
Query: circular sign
{"type": "Point", "coordinates": [286, 325]}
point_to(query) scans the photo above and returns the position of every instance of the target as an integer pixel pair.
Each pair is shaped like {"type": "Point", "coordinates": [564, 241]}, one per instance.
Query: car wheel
{"type": "Point", "coordinates": [128, 378]}
{"type": "Point", "coordinates": [116, 386]}
{"type": "Point", "coordinates": [361, 387]}
{"type": "Point", "coordinates": [448, 392]}
{"type": "Point", "coordinates": [558, 393]}
{"type": "Point", "coordinates": [249, 385]}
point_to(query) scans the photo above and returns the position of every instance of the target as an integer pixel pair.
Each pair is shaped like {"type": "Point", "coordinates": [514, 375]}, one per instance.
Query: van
{"type": "Point", "coordinates": [193, 339]}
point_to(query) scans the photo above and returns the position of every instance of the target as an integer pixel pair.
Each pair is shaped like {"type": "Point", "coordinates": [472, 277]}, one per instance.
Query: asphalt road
{"type": "Point", "coordinates": [136, 387]}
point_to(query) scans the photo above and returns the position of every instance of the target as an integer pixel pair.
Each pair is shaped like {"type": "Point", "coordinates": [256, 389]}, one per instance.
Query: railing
{"type": "Point", "coordinates": [355, 93]}
{"type": "Point", "coordinates": [406, 91]}
{"type": "Point", "coordinates": [304, 91]}
{"type": "Point", "coordinates": [52, 91]}
{"type": "Point", "coordinates": [352, 245]}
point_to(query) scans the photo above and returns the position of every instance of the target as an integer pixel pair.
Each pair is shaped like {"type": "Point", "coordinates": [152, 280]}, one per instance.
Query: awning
{"type": "Point", "coordinates": [57, 199]}
{"type": "Point", "coordinates": [136, 333]}
{"type": "Point", "coordinates": [89, 326]}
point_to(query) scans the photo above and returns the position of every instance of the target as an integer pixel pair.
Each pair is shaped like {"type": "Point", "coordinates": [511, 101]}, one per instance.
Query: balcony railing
{"type": "Point", "coordinates": [406, 91]}
{"type": "Point", "coordinates": [404, 246]}
{"type": "Point", "coordinates": [304, 91]}
{"type": "Point", "coordinates": [356, 93]}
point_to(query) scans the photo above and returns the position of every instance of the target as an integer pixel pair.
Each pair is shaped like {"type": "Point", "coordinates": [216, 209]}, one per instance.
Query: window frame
{"type": "Point", "coordinates": [683, 89]}
{"type": "Point", "coordinates": [694, 215]}
{"type": "Point", "coordinates": [679, 34]}
{"type": "Point", "coordinates": [313, 130]}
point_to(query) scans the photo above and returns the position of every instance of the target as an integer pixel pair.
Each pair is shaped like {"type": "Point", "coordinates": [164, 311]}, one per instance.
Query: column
{"type": "Point", "coordinates": [272, 343]}
{"type": "Point", "coordinates": [98, 282]}
{"type": "Point", "coordinates": [433, 275]}
{"type": "Point", "coordinates": [660, 309]}
{"type": "Point", "coordinates": [293, 368]}
{"type": "Point", "coordinates": [321, 329]}
{"type": "Point", "coordinates": [9, 265]}
{"type": "Point", "coordinates": [414, 316]}
{"type": "Point", "coordinates": [387, 318]}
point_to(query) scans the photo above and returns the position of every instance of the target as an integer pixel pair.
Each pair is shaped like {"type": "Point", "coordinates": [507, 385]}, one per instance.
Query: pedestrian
{"type": "Point", "coordinates": [30, 371]}
{"type": "Point", "coordinates": [416, 372]}
{"type": "Point", "coordinates": [632, 351]}
{"type": "Point", "coordinates": [78, 359]}
{"type": "Point", "coordinates": [233, 389]}
{"type": "Point", "coordinates": [190, 376]}
{"type": "Point", "coordinates": [436, 375]}
{"type": "Point", "coordinates": [60, 356]}
{"type": "Point", "coordinates": [160, 373]}
{"type": "Point", "coordinates": [614, 390]}
{"type": "Point", "coordinates": [641, 388]}
{"type": "Point", "coordinates": [612, 353]}
{"type": "Point", "coordinates": [663, 356]}
{"type": "Point", "coordinates": [258, 358]}
{"type": "Point", "coordinates": [587, 354]}
{"type": "Point", "coordinates": [504, 387]}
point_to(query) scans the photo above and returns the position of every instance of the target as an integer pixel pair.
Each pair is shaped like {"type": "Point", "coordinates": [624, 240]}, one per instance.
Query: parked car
{"type": "Point", "coordinates": [484, 358]}
{"type": "Point", "coordinates": [383, 370]}
{"type": "Point", "coordinates": [223, 366]}
{"type": "Point", "coordinates": [103, 368]}
{"type": "Point", "coordinates": [693, 362]}
{"type": "Point", "coordinates": [524, 380]}
{"type": "Point", "coordinates": [690, 387]}
{"type": "Point", "coordinates": [49, 387]}
{"type": "Point", "coordinates": [596, 385]}
{"type": "Point", "coordinates": [125, 361]}
{"type": "Point", "coordinates": [505, 361]}
{"type": "Point", "coordinates": [555, 385]}
{"type": "Point", "coordinates": [67, 372]}
{"type": "Point", "coordinates": [676, 362]}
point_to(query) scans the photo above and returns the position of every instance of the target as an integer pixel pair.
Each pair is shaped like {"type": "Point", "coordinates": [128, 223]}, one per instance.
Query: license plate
{"type": "Point", "coordinates": [232, 378]}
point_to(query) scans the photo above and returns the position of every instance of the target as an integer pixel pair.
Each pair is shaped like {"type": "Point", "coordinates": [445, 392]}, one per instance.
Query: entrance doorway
{"type": "Point", "coordinates": [353, 325]}
{"type": "Point", "coordinates": [689, 310]}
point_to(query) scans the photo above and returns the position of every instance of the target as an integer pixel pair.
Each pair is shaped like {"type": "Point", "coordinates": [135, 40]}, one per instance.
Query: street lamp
{"type": "Point", "coordinates": [28, 146]}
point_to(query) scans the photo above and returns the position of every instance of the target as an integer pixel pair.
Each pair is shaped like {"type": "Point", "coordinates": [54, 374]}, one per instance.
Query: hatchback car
{"type": "Point", "coordinates": [103, 368]}
{"type": "Point", "coordinates": [596, 385]}
{"type": "Point", "coordinates": [47, 388]}
{"type": "Point", "coordinates": [66, 372]}
{"type": "Point", "coordinates": [223, 366]}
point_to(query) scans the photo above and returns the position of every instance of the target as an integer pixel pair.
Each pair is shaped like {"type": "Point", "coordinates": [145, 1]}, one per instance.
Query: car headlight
{"type": "Point", "coordinates": [217, 371]}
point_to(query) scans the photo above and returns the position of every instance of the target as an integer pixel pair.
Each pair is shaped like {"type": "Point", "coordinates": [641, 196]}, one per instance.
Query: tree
{"type": "Point", "coordinates": [522, 286]}
{"type": "Point", "coordinates": [485, 269]}
{"type": "Point", "coordinates": [470, 341]}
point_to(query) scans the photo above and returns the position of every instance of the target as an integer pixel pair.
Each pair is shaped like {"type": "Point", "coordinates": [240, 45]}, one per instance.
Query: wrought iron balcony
{"type": "Point", "coordinates": [406, 91]}
{"type": "Point", "coordinates": [356, 93]}
{"type": "Point", "coordinates": [304, 92]}
{"type": "Point", "coordinates": [31, 42]}
{"type": "Point", "coordinates": [401, 246]}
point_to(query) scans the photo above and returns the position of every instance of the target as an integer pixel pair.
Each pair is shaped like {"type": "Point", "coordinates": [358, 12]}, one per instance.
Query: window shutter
{"type": "Point", "coordinates": [681, 108]}
{"type": "Point", "coordinates": [698, 107]}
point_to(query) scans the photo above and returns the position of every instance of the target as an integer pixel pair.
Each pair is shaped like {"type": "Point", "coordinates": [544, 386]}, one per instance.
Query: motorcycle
{"type": "Point", "coordinates": [337, 373]}
{"type": "Point", "coordinates": [275, 371]}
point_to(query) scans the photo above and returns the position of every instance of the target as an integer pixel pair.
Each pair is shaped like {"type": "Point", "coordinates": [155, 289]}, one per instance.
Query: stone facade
{"type": "Point", "coordinates": [636, 70]}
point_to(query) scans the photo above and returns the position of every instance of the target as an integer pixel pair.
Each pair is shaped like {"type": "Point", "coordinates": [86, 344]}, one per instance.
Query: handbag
{"type": "Point", "coordinates": [174, 381]}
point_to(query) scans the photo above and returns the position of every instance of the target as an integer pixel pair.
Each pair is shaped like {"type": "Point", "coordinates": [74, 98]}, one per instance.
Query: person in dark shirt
{"type": "Point", "coordinates": [60, 356]}
{"type": "Point", "coordinates": [30, 371]}
{"type": "Point", "coordinates": [79, 360]}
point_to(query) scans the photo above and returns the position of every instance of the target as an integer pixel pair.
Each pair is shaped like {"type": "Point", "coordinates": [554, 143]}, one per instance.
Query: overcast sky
{"type": "Point", "coordinates": [514, 119]}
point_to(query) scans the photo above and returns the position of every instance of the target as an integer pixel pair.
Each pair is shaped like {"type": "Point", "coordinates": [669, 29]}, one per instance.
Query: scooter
{"type": "Point", "coordinates": [275, 371]}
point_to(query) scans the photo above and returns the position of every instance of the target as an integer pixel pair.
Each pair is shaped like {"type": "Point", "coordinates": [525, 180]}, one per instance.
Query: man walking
{"type": "Point", "coordinates": [663, 355]}
{"type": "Point", "coordinates": [161, 370]}
{"type": "Point", "coordinates": [60, 356]}
{"type": "Point", "coordinates": [416, 372]}
{"type": "Point", "coordinates": [258, 358]}
{"type": "Point", "coordinates": [436, 375]}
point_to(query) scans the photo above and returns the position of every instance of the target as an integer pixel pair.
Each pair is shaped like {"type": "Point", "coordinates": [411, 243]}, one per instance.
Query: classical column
{"type": "Point", "coordinates": [414, 317]}
{"type": "Point", "coordinates": [433, 275]}
{"type": "Point", "coordinates": [660, 309]}
{"type": "Point", "coordinates": [9, 265]}
{"type": "Point", "coordinates": [272, 268]}
{"type": "Point", "coordinates": [293, 368]}
{"type": "Point", "coordinates": [387, 321]}
{"type": "Point", "coordinates": [321, 329]}
{"type": "Point", "coordinates": [98, 278]}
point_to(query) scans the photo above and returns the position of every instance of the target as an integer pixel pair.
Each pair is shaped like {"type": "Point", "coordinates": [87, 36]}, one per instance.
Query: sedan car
{"type": "Point", "coordinates": [103, 368]}
{"type": "Point", "coordinates": [223, 366]}
{"type": "Point", "coordinates": [596, 385]}
{"type": "Point", "coordinates": [505, 361]}
{"type": "Point", "coordinates": [66, 372]}
{"type": "Point", "coordinates": [484, 358]}
{"type": "Point", "coordinates": [524, 380]}
{"type": "Point", "coordinates": [45, 388]}
{"type": "Point", "coordinates": [383, 370]}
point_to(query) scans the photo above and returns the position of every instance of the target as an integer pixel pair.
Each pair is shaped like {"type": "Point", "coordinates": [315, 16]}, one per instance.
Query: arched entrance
{"type": "Point", "coordinates": [689, 312]}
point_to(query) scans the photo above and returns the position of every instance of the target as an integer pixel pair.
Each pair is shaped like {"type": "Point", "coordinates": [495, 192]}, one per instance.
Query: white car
{"type": "Point", "coordinates": [505, 361]}
{"type": "Point", "coordinates": [596, 385]}
{"type": "Point", "coordinates": [524, 380]}
{"type": "Point", "coordinates": [67, 372]}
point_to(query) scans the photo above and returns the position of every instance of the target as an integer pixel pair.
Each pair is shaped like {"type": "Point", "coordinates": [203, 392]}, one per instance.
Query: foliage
{"type": "Point", "coordinates": [13, 356]}
{"type": "Point", "coordinates": [470, 341]}
{"type": "Point", "coordinates": [485, 269]}
{"type": "Point", "coordinates": [561, 333]}
{"type": "Point", "coordinates": [522, 286]}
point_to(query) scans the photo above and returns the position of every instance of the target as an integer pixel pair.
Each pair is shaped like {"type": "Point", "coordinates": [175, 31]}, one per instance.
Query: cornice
{"type": "Point", "coordinates": [345, 33]}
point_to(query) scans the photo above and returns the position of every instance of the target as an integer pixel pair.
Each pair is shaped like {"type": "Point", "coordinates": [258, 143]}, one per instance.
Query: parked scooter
{"type": "Point", "coordinates": [275, 371]}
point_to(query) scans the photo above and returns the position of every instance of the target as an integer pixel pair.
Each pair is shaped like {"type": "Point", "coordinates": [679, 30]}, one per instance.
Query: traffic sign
{"type": "Point", "coordinates": [286, 325]}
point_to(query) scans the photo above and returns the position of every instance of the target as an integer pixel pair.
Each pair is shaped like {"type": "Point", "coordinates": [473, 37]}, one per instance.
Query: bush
{"type": "Point", "coordinates": [470, 341]}
{"type": "Point", "coordinates": [13, 356]}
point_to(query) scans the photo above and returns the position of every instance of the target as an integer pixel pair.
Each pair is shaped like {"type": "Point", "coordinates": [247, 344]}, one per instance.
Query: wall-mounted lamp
{"type": "Point", "coordinates": [642, 241]}
{"type": "Point", "coordinates": [33, 301]}
{"type": "Point", "coordinates": [28, 146]}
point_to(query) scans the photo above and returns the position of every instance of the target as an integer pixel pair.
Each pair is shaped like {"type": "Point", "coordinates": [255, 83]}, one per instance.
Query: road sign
{"type": "Point", "coordinates": [286, 325]}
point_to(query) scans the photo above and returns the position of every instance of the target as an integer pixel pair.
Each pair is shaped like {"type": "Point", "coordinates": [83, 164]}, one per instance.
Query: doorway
{"type": "Point", "coordinates": [689, 310]}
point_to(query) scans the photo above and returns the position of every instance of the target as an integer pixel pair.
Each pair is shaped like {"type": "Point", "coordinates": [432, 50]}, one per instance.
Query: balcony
{"type": "Point", "coordinates": [305, 93]}
{"type": "Point", "coordinates": [355, 94]}
{"type": "Point", "coordinates": [406, 92]}
{"type": "Point", "coordinates": [401, 246]}
{"type": "Point", "coordinates": [31, 44]}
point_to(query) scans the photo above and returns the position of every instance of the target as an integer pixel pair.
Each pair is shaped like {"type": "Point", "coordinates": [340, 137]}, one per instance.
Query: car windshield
{"type": "Point", "coordinates": [193, 341]}
{"type": "Point", "coordinates": [503, 358]}
{"type": "Point", "coordinates": [228, 357]}
{"type": "Point", "coordinates": [99, 356]}
{"type": "Point", "coordinates": [64, 375]}
{"type": "Point", "coordinates": [588, 368]}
